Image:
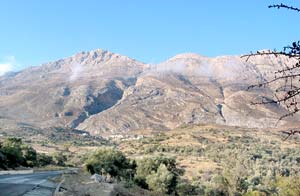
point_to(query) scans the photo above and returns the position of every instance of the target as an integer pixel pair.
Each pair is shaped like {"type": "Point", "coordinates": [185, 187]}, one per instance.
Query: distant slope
{"type": "Point", "coordinates": [65, 92]}
{"type": "Point", "coordinates": [100, 91]}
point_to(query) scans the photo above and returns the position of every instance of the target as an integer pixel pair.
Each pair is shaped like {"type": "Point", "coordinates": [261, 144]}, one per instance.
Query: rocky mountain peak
{"type": "Point", "coordinates": [97, 55]}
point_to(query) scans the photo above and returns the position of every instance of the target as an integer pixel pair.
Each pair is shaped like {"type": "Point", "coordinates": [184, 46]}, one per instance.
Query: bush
{"type": "Point", "coordinates": [3, 160]}
{"type": "Point", "coordinates": [111, 161]}
{"type": "Point", "coordinates": [43, 159]}
{"type": "Point", "coordinates": [13, 153]}
{"type": "Point", "coordinates": [185, 189]}
{"type": "Point", "coordinates": [288, 185]}
{"type": "Point", "coordinates": [60, 159]}
{"type": "Point", "coordinates": [30, 156]}
{"type": "Point", "coordinates": [161, 181]}
{"type": "Point", "coordinates": [11, 149]}
{"type": "Point", "coordinates": [158, 173]}
{"type": "Point", "coordinates": [255, 193]}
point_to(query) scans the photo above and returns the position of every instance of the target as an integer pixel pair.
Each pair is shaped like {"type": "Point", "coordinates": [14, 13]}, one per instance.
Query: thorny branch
{"type": "Point", "coordinates": [288, 78]}
{"type": "Point", "coordinates": [290, 133]}
{"type": "Point", "coordinates": [284, 6]}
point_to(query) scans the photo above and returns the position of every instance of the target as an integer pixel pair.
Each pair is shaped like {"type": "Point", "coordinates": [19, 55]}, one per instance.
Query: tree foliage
{"type": "Point", "coordinates": [161, 181]}
{"type": "Point", "coordinates": [30, 155]}
{"type": "Point", "coordinates": [14, 153]}
{"type": "Point", "coordinates": [11, 149]}
{"type": "Point", "coordinates": [60, 158]}
{"type": "Point", "coordinates": [43, 160]}
{"type": "Point", "coordinates": [147, 173]}
{"type": "Point", "coordinates": [110, 161]}
{"type": "Point", "coordinates": [159, 174]}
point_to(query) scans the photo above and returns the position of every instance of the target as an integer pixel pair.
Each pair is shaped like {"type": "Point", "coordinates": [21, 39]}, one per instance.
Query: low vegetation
{"type": "Point", "coordinates": [14, 153]}
{"type": "Point", "coordinates": [225, 161]}
{"type": "Point", "coordinates": [158, 174]}
{"type": "Point", "coordinates": [108, 161]}
{"type": "Point", "coordinates": [198, 160]}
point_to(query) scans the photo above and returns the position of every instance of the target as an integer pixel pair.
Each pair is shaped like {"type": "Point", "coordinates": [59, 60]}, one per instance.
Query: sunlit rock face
{"type": "Point", "coordinates": [102, 92]}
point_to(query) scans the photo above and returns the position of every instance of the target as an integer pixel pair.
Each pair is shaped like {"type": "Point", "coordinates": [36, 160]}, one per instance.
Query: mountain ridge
{"type": "Point", "coordinates": [100, 91]}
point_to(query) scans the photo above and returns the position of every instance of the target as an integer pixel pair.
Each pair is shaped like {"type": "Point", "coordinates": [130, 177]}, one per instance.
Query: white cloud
{"type": "Point", "coordinates": [7, 64]}
{"type": "Point", "coordinates": [5, 67]}
{"type": "Point", "coordinates": [76, 71]}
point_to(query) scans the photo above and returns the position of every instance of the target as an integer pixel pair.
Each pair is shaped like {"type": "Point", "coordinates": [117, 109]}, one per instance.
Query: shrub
{"type": "Point", "coordinates": [13, 153]}
{"type": "Point", "coordinates": [255, 193]}
{"type": "Point", "coordinates": [288, 185]}
{"type": "Point", "coordinates": [11, 149]}
{"type": "Point", "coordinates": [161, 181]}
{"type": "Point", "coordinates": [185, 188]}
{"type": "Point", "coordinates": [110, 161]}
{"type": "Point", "coordinates": [60, 159]}
{"type": "Point", "coordinates": [3, 160]}
{"type": "Point", "coordinates": [29, 155]}
{"type": "Point", "coordinates": [149, 170]}
{"type": "Point", "coordinates": [43, 159]}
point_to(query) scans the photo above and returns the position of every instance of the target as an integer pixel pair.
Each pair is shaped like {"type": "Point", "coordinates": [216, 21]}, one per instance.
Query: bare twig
{"type": "Point", "coordinates": [289, 94]}
{"type": "Point", "coordinates": [278, 6]}
{"type": "Point", "coordinates": [288, 77]}
{"type": "Point", "coordinates": [290, 133]}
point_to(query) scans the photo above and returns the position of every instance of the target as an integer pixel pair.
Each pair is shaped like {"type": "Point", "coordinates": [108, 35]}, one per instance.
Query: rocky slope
{"type": "Point", "coordinates": [102, 92]}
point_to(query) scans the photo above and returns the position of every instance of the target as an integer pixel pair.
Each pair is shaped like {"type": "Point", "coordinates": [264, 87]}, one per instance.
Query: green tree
{"type": "Point", "coordinates": [43, 159]}
{"type": "Point", "coordinates": [60, 159]}
{"type": "Point", "coordinates": [11, 148]}
{"type": "Point", "coordinates": [13, 153]}
{"type": "Point", "coordinates": [3, 160]}
{"type": "Point", "coordinates": [161, 181]}
{"type": "Point", "coordinates": [110, 161]}
{"type": "Point", "coordinates": [149, 167]}
{"type": "Point", "coordinates": [30, 155]}
{"type": "Point", "coordinates": [185, 188]}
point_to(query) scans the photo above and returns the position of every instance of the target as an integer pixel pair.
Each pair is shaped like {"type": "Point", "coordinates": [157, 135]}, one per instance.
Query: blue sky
{"type": "Point", "coordinates": [35, 31]}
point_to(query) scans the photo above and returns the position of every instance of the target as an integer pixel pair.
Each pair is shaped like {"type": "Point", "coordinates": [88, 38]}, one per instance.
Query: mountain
{"type": "Point", "coordinates": [102, 92]}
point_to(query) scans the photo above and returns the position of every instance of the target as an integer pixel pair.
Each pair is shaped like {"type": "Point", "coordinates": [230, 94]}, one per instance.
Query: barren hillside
{"type": "Point", "coordinates": [102, 92]}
